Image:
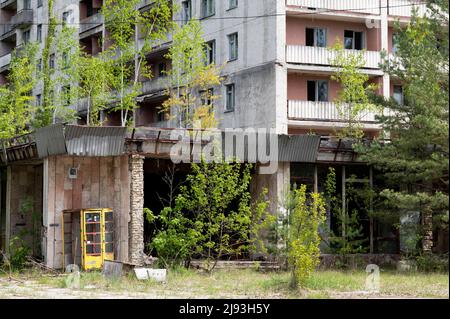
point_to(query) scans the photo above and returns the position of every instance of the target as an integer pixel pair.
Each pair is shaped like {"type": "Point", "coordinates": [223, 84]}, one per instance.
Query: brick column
{"type": "Point", "coordinates": [136, 224]}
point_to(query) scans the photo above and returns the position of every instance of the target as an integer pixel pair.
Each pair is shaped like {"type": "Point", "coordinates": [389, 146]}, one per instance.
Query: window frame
{"type": "Point", "coordinates": [39, 33]}
{"type": "Point", "coordinates": [208, 4]}
{"type": "Point", "coordinates": [228, 107]}
{"type": "Point", "coordinates": [315, 42]}
{"type": "Point", "coordinates": [231, 56]}
{"type": "Point", "coordinates": [211, 53]}
{"type": "Point", "coordinates": [316, 90]}
{"type": "Point", "coordinates": [233, 4]}
{"type": "Point", "coordinates": [26, 36]}
{"type": "Point", "coordinates": [186, 19]}
{"type": "Point", "coordinates": [402, 101]}
{"type": "Point", "coordinates": [363, 40]}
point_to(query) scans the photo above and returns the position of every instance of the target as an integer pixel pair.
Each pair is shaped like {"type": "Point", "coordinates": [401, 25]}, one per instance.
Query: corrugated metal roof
{"type": "Point", "coordinates": [50, 140]}
{"type": "Point", "coordinates": [95, 141]}
{"type": "Point", "coordinates": [298, 148]}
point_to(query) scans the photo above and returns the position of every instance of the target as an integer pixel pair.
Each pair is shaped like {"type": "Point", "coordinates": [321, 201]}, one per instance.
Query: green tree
{"type": "Point", "coordinates": [353, 100]}
{"type": "Point", "coordinates": [16, 100]}
{"type": "Point", "coordinates": [125, 25]}
{"type": "Point", "coordinates": [191, 80]}
{"type": "Point", "coordinates": [348, 239]}
{"type": "Point", "coordinates": [213, 216]}
{"type": "Point", "coordinates": [414, 163]}
{"type": "Point", "coordinates": [307, 215]}
{"type": "Point", "coordinates": [96, 74]}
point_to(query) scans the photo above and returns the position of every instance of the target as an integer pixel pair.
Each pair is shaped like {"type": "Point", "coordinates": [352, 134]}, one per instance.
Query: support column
{"type": "Point", "coordinates": [136, 225]}
{"type": "Point", "coordinates": [385, 45]}
{"type": "Point", "coordinates": [8, 209]}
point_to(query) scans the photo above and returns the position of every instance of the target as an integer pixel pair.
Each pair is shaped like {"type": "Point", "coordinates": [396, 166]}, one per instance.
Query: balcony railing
{"type": "Point", "coordinates": [322, 111]}
{"type": "Point", "coordinates": [23, 18]}
{"type": "Point", "coordinates": [353, 6]}
{"type": "Point", "coordinates": [91, 22]}
{"type": "Point", "coordinates": [323, 56]}
{"type": "Point", "coordinates": [404, 8]}
{"type": "Point", "coordinates": [154, 85]}
{"type": "Point", "coordinates": [5, 61]}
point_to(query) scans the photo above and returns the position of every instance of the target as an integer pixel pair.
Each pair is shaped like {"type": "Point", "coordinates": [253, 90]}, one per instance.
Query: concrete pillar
{"type": "Point", "coordinates": [136, 224]}
{"type": "Point", "coordinates": [278, 185]}
{"type": "Point", "coordinates": [385, 44]}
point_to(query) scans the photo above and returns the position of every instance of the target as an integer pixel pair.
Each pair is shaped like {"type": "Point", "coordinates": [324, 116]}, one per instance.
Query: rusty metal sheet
{"type": "Point", "coordinates": [50, 140]}
{"type": "Point", "coordinates": [95, 141]}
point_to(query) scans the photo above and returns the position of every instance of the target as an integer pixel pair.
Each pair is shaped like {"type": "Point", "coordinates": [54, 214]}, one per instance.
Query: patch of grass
{"type": "Point", "coordinates": [184, 283]}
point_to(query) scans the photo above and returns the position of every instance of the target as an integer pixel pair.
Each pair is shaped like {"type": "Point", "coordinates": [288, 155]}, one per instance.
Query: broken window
{"type": "Point", "coordinates": [353, 40]}
{"type": "Point", "coordinates": [317, 91]}
{"type": "Point", "coordinates": [316, 37]}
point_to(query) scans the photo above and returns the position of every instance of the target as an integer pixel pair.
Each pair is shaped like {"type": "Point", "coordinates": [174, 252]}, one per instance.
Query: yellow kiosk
{"type": "Point", "coordinates": [88, 237]}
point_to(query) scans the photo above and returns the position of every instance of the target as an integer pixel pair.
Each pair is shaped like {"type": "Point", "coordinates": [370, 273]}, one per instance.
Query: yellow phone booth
{"type": "Point", "coordinates": [88, 237]}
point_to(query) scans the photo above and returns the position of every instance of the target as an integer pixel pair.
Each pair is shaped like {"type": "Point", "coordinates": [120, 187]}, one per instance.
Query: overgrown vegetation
{"type": "Point", "coordinates": [414, 162]}
{"type": "Point", "coordinates": [211, 218]}
{"type": "Point", "coordinates": [305, 219]}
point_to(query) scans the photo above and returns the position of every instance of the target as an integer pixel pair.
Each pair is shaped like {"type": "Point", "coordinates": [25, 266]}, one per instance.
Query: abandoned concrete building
{"type": "Point", "coordinates": [277, 76]}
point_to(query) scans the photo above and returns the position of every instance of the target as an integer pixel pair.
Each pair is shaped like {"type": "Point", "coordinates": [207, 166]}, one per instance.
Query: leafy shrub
{"type": "Point", "coordinates": [304, 239]}
{"type": "Point", "coordinates": [432, 262]}
{"type": "Point", "coordinates": [18, 253]}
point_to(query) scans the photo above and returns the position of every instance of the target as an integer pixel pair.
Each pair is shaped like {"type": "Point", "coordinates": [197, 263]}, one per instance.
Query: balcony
{"type": "Point", "coordinates": [298, 54]}
{"type": "Point", "coordinates": [23, 18]}
{"type": "Point", "coordinates": [371, 7]}
{"type": "Point", "coordinates": [90, 23]}
{"type": "Point", "coordinates": [155, 85]}
{"type": "Point", "coordinates": [4, 62]}
{"type": "Point", "coordinates": [404, 8]}
{"type": "Point", "coordinates": [323, 115]}
{"type": "Point", "coordinates": [8, 4]}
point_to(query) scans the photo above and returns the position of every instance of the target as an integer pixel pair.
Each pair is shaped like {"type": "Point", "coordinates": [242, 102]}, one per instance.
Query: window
{"type": "Point", "coordinates": [232, 4]}
{"type": "Point", "coordinates": [210, 52]}
{"type": "Point", "coordinates": [206, 97]}
{"type": "Point", "coordinates": [39, 33]}
{"type": "Point", "coordinates": [208, 8]}
{"type": "Point", "coordinates": [398, 94]}
{"type": "Point", "coordinates": [65, 60]}
{"type": "Point", "coordinates": [230, 97]}
{"type": "Point", "coordinates": [39, 3]}
{"type": "Point", "coordinates": [162, 69]}
{"type": "Point", "coordinates": [318, 91]}
{"type": "Point", "coordinates": [187, 11]}
{"type": "Point", "coordinates": [26, 36]}
{"type": "Point", "coordinates": [394, 43]}
{"type": "Point", "coordinates": [52, 61]}
{"type": "Point", "coordinates": [66, 17]}
{"type": "Point", "coordinates": [233, 46]}
{"type": "Point", "coordinates": [27, 4]}
{"type": "Point", "coordinates": [353, 40]}
{"type": "Point", "coordinates": [66, 94]}
{"type": "Point", "coordinates": [38, 100]}
{"type": "Point", "coordinates": [39, 65]}
{"type": "Point", "coordinates": [316, 37]}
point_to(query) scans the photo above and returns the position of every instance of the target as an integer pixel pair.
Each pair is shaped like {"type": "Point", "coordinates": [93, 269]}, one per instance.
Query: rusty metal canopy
{"type": "Point", "coordinates": [78, 140]}
{"type": "Point", "coordinates": [95, 141]}
{"type": "Point", "coordinates": [298, 148]}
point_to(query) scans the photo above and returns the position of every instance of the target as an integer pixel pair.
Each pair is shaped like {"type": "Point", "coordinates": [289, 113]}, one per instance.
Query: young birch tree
{"type": "Point", "coordinates": [16, 101]}
{"type": "Point", "coordinates": [125, 24]}
{"type": "Point", "coordinates": [353, 100]}
{"type": "Point", "coordinates": [191, 79]}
